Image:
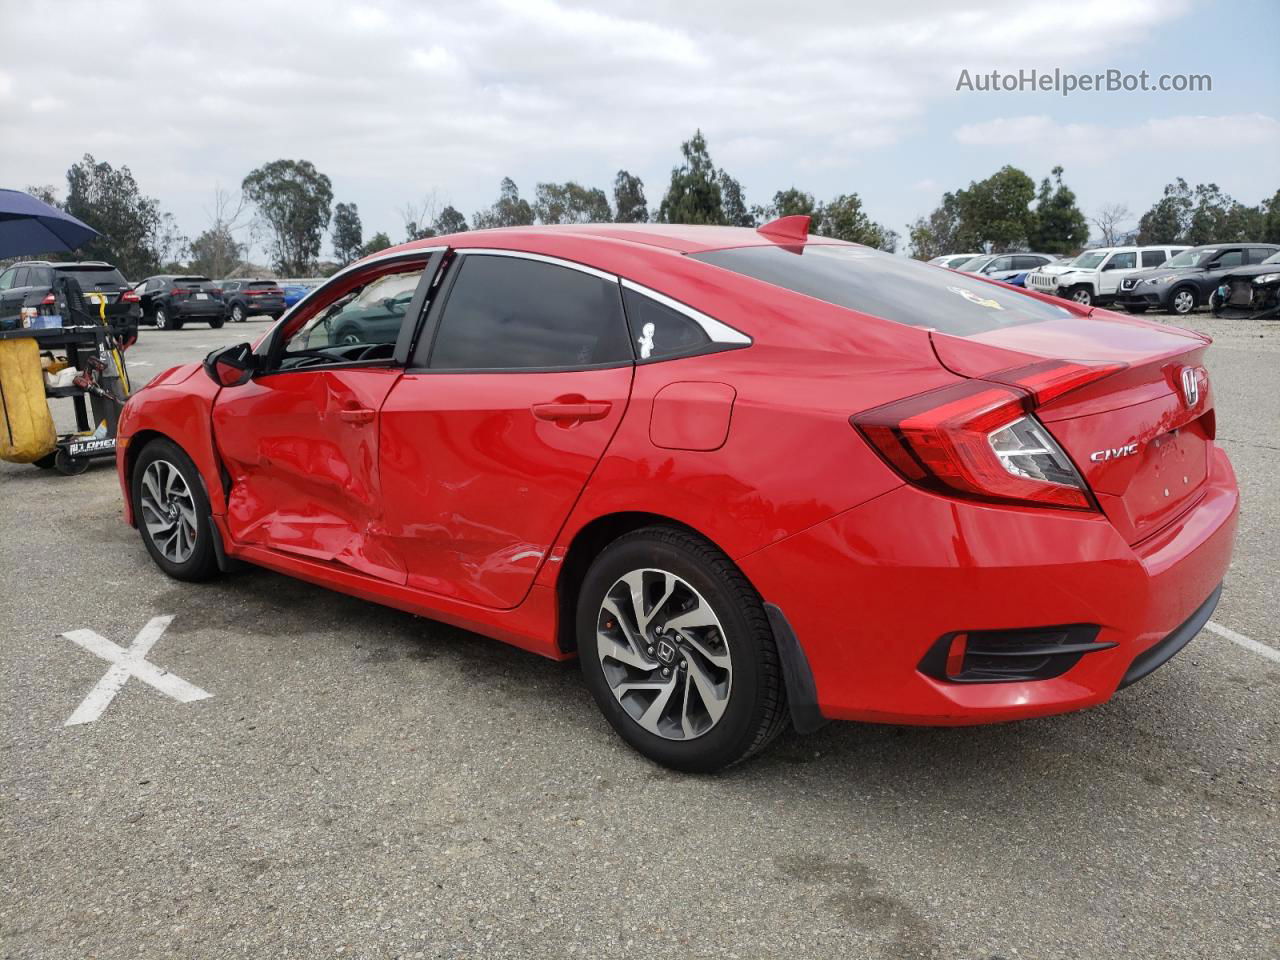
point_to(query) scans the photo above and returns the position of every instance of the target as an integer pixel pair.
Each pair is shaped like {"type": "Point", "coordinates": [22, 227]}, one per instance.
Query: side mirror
{"type": "Point", "coordinates": [232, 366]}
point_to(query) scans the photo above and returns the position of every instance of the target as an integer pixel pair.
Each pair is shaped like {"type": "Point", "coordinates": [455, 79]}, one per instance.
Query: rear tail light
{"type": "Point", "coordinates": [979, 440]}
{"type": "Point", "coordinates": [177, 292]}
{"type": "Point", "coordinates": [48, 301]}
{"type": "Point", "coordinates": [130, 296]}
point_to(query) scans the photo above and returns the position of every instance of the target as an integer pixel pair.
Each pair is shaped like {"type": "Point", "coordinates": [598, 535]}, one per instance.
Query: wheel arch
{"type": "Point", "coordinates": [585, 546]}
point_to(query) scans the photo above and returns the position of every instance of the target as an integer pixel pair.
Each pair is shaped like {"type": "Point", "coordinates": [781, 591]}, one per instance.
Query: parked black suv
{"type": "Point", "coordinates": [1184, 282]}
{"type": "Point", "coordinates": [251, 298]}
{"type": "Point", "coordinates": [26, 291]}
{"type": "Point", "coordinates": [171, 301]}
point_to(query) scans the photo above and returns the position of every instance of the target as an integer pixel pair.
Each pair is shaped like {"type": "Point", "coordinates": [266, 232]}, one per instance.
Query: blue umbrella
{"type": "Point", "coordinates": [29, 226]}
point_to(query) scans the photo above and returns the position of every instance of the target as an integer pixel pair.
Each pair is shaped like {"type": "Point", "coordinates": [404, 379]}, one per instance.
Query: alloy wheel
{"type": "Point", "coordinates": [237, 314]}
{"type": "Point", "coordinates": [664, 655]}
{"type": "Point", "coordinates": [169, 511]}
{"type": "Point", "coordinates": [162, 318]}
{"type": "Point", "coordinates": [1082, 297]}
{"type": "Point", "coordinates": [1184, 301]}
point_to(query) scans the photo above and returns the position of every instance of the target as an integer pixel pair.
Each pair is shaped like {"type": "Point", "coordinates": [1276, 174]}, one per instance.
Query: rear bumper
{"type": "Point", "coordinates": [197, 311]}
{"type": "Point", "coordinates": [868, 597]}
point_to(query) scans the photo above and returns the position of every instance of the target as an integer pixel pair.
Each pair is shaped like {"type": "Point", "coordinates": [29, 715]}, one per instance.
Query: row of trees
{"type": "Point", "coordinates": [1007, 212]}
{"type": "Point", "coordinates": [288, 206]}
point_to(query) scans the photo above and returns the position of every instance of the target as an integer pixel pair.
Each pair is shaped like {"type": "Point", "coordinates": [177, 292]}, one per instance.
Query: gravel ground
{"type": "Point", "coordinates": [363, 783]}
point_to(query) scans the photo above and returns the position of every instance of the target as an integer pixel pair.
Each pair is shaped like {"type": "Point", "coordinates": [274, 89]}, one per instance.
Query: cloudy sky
{"type": "Point", "coordinates": [396, 101]}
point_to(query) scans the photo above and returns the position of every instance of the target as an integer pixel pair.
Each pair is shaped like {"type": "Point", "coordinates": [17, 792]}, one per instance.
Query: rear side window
{"type": "Point", "coordinates": [1259, 254]}
{"type": "Point", "coordinates": [40, 277]}
{"type": "Point", "coordinates": [20, 280]}
{"type": "Point", "coordinates": [509, 313]}
{"type": "Point", "coordinates": [1152, 258]}
{"type": "Point", "coordinates": [888, 286]}
{"type": "Point", "coordinates": [659, 332]}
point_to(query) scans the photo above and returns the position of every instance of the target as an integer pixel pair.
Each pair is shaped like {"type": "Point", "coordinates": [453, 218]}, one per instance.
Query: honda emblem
{"type": "Point", "coordinates": [1190, 386]}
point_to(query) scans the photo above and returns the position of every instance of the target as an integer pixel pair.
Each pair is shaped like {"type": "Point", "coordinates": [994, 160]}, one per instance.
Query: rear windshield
{"type": "Point", "coordinates": [91, 278]}
{"type": "Point", "coordinates": [895, 288]}
{"type": "Point", "coordinates": [193, 283]}
{"type": "Point", "coordinates": [263, 285]}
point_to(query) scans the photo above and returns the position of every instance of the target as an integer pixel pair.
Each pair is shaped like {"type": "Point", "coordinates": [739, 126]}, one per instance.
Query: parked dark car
{"type": "Point", "coordinates": [1251, 293]}
{"type": "Point", "coordinates": [27, 291]}
{"type": "Point", "coordinates": [252, 298]}
{"type": "Point", "coordinates": [170, 302]}
{"type": "Point", "coordinates": [1186, 281]}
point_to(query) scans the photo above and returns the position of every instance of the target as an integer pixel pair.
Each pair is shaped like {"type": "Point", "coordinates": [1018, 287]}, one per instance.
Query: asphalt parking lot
{"type": "Point", "coordinates": [364, 783]}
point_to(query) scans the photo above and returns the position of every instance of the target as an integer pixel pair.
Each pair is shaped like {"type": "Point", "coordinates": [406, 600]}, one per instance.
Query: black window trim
{"type": "Point", "coordinates": [723, 336]}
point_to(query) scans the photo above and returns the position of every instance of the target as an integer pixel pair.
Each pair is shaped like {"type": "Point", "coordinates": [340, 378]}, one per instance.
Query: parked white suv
{"type": "Point", "coordinates": [1094, 276]}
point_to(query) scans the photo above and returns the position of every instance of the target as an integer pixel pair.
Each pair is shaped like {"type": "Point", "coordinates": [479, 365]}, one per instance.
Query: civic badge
{"type": "Point", "coordinates": [1190, 386]}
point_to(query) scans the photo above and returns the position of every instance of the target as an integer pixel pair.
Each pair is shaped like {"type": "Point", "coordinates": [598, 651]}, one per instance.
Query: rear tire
{"type": "Point", "coordinates": [172, 512]}
{"type": "Point", "coordinates": [216, 323]}
{"type": "Point", "coordinates": [722, 694]}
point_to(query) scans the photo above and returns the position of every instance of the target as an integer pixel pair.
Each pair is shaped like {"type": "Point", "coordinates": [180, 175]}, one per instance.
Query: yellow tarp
{"type": "Point", "coordinates": [26, 426]}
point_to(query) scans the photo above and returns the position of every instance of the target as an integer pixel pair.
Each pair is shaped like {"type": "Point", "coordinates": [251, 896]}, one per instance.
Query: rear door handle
{"type": "Point", "coordinates": [357, 415]}
{"type": "Point", "coordinates": [567, 411]}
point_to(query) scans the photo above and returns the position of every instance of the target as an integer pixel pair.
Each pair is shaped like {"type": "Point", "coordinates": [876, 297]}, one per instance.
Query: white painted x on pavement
{"type": "Point", "coordinates": [125, 664]}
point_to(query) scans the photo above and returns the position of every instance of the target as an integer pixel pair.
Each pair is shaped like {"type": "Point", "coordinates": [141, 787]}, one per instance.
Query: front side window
{"type": "Point", "coordinates": [998, 264]}
{"type": "Point", "coordinates": [1123, 261]}
{"type": "Point", "coordinates": [370, 315]}
{"type": "Point", "coordinates": [511, 313]}
{"type": "Point", "coordinates": [1232, 258]}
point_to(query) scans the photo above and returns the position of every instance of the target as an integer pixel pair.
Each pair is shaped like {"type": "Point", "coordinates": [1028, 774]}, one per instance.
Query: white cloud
{"type": "Point", "coordinates": [395, 98]}
{"type": "Point", "coordinates": [1040, 134]}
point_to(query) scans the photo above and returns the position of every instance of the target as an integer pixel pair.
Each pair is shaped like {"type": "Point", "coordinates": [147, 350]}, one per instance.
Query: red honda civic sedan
{"type": "Point", "coordinates": [748, 477]}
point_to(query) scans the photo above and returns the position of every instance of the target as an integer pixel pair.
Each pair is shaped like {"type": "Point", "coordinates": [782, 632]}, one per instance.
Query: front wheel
{"type": "Point", "coordinates": [172, 512]}
{"type": "Point", "coordinates": [1183, 301]}
{"type": "Point", "coordinates": [677, 651]}
{"type": "Point", "coordinates": [1081, 295]}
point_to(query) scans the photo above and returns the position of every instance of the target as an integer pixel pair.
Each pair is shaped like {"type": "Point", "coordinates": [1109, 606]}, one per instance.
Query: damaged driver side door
{"type": "Point", "coordinates": [300, 438]}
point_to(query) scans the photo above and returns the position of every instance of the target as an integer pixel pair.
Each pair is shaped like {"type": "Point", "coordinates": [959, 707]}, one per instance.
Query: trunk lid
{"type": "Point", "coordinates": [1141, 436]}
